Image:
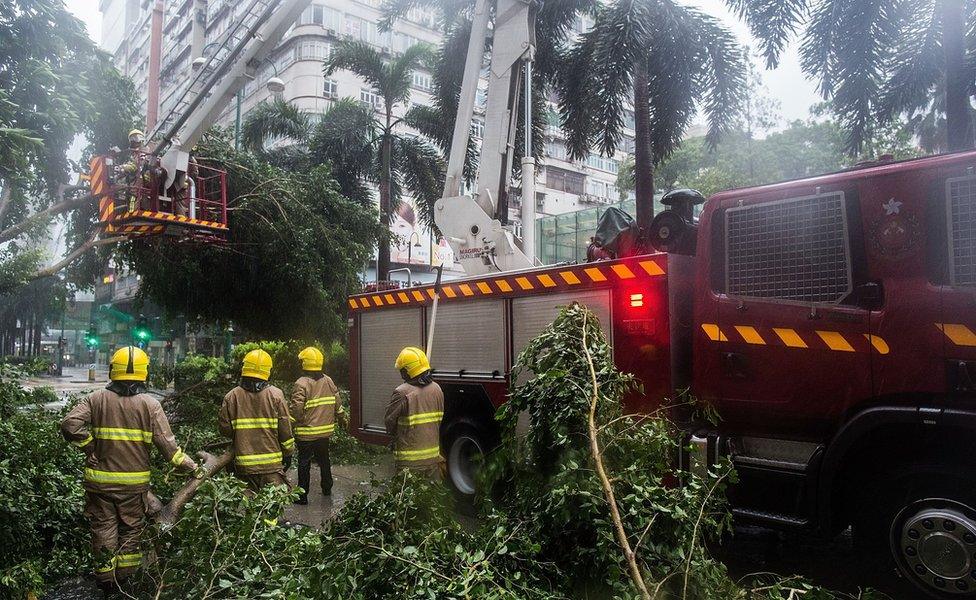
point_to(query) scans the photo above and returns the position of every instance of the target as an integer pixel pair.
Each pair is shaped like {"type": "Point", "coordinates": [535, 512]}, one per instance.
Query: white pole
{"type": "Point", "coordinates": [528, 174]}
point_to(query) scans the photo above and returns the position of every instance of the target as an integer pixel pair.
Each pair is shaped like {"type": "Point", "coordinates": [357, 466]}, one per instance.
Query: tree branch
{"type": "Point", "coordinates": [67, 260]}
{"type": "Point", "coordinates": [5, 195]}
{"type": "Point", "coordinates": [618, 524]}
{"type": "Point", "coordinates": [61, 207]}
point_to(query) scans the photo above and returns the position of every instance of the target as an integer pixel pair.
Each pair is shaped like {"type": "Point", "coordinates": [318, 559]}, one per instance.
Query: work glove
{"type": "Point", "coordinates": [287, 462]}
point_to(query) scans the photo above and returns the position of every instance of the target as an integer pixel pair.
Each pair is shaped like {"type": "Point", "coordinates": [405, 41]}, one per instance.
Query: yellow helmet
{"type": "Point", "coordinates": [129, 364]}
{"type": "Point", "coordinates": [136, 132]}
{"type": "Point", "coordinates": [311, 358]}
{"type": "Point", "coordinates": [412, 362]}
{"type": "Point", "coordinates": [257, 364]}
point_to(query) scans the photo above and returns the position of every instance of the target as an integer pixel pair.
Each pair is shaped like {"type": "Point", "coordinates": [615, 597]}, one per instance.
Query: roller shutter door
{"type": "Point", "coordinates": [532, 314]}
{"type": "Point", "coordinates": [470, 336]}
{"type": "Point", "coordinates": [382, 335]}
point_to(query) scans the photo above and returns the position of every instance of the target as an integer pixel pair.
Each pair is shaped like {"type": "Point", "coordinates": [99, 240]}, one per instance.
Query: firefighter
{"type": "Point", "coordinates": [255, 417]}
{"type": "Point", "coordinates": [414, 415]}
{"type": "Point", "coordinates": [114, 427]}
{"type": "Point", "coordinates": [133, 172]}
{"type": "Point", "coordinates": [313, 411]}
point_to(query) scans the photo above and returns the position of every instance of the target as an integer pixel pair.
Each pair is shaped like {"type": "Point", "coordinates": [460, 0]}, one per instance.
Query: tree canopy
{"type": "Point", "coordinates": [294, 251]}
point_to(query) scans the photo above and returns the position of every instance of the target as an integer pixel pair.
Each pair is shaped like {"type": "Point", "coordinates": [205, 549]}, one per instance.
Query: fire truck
{"type": "Point", "coordinates": [830, 321]}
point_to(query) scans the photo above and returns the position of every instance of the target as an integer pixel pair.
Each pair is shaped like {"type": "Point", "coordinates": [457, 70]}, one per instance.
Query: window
{"type": "Point", "coordinates": [369, 99]}
{"type": "Point", "coordinates": [481, 97]}
{"type": "Point", "coordinates": [313, 50]}
{"type": "Point", "coordinates": [355, 27]}
{"type": "Point", "coordinates": [321, 15]}
{"type": "Point", "coordinates": [961, 215]}
{"type": "Point", "coordinates": [794, 249]}
{"type": "Point", "coordinates": [422, 81]}
{"type": "Point", "coordinates": [477, 128]}
{"type": "Point", "coordinates": [556, 150]}
{"type": "Point", "coordinates": [331, 89]}
{"type": "Point", "coordinates": [564, 181]}
{"type": "Point", "coordinates": [402, 41]}
{"type": "Point", "coordinates": [603, 163]}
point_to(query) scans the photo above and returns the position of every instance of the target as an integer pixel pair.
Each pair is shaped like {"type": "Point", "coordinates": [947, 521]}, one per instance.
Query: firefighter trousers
{"type": "Point", "coordinates": [319, 451]}
{"type": "Point", "coordinates": [116, 521]}
{"type": "Point", "coordinates": [256, 481]}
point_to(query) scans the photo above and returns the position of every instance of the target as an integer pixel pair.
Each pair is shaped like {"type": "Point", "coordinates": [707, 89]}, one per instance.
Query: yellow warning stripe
{"type": "Point", "coordinates": [791, 338]}
{"type": "Point", "coordinates": [958, 333]}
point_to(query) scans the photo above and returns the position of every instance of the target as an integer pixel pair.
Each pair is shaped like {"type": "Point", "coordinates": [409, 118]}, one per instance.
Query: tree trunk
{"type": "Point", "coordinates": [958, 127]}
{"type": "Point", "coordinates": [643, 154]}
{"type": "Point", "coordinates": [383, 254]}
{"type": "Point", "coordinates": [51, 211]}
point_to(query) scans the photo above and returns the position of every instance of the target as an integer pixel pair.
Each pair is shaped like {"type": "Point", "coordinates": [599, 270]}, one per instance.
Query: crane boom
{"type": "Point", "coordinates": [248, 42]}
{"type": "Point", "coordinates": [473, 225]}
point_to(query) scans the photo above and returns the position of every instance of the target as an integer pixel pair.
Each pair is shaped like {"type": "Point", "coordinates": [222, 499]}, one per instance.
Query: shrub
{"type": "Point", "coordinates": [43, 532]}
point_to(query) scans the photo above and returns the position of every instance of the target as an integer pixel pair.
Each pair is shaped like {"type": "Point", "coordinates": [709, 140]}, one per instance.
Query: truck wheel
{"type": "Point", "coordinates": [933, 541]}
{"type": "Point", "coordinates": [466, 449]}
{"type": "Point", "coordinates": [926, 517]}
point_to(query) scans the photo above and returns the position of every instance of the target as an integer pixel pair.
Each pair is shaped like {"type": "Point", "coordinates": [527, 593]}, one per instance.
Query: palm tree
{"type": "Point", "coordinates": [390, 80]}
{"type": "Point", "coordinates": [664, 59]}
{"type": "Point", "coordinates": [878, 59]}
{"type": "Point", "coordinates": [361, 149]}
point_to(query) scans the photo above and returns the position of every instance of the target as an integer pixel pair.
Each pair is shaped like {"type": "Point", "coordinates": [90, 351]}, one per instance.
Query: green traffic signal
{"type": "Point", "coordinates": [91, 338]}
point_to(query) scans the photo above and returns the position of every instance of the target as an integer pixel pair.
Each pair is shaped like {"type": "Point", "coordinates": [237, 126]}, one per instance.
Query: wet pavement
{"type": "Point", "coordinates": [348, 480]}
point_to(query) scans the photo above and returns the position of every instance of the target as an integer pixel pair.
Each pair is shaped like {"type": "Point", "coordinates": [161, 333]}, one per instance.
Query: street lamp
{"type": "Point", "coordinates": [275, 85]}
{"type": "Point", "coordinates": [410, 246]}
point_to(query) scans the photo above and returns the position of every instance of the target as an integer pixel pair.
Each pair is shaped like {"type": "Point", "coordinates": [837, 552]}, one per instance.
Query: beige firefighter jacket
{"type": "Point", "coordinates": [413, 418]}
{"type": "Point", "coordinates": [115, 433]}
{"type": "Point", "coordinates": [258, 423]}
{"type": "Point", "coordinates": [313, 408]}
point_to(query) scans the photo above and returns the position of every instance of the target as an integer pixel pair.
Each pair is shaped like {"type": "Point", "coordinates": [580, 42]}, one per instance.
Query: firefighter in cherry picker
{"type": "Point", "coordinates": [133, 172]}
{"type": "Point", "coordinates": [414, 415]}
{"type": "Point", "coordinates": [115, 427]}
{"type": "Point", "coordinates": [255, 417]}
{"type": "Point", "coordinates": [314, 403]}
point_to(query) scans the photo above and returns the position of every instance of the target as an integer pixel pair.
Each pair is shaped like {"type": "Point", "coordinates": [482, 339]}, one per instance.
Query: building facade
{"type": "Point", "coordinates": [191, 26]}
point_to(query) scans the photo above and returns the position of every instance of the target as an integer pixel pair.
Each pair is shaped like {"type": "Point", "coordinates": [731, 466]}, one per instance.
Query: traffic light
{"type": "Point", "coordinates": [91, 338]}
{"type": "Point", "coordinates": [142, 333]}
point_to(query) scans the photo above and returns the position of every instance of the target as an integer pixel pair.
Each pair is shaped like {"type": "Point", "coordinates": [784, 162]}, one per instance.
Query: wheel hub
{"type": "Point", "coordinates": [937, 546]}
{"type": "Point", "coordinates": [463, 463]}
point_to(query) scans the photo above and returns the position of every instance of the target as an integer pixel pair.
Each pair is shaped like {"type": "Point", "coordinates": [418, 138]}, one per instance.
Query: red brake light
{"type": "Point", "coordinates": [636, 300]}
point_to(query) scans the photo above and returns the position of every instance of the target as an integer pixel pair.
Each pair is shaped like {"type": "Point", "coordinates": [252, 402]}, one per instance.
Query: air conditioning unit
{"type": "Point", "coordinates": [331, 32]}
{"type": "Point", "coordinates": [385, 49]}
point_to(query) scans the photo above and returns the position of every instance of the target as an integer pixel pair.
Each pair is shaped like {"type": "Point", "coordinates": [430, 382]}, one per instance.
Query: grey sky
{"type": "Point", "coordinates": [786, 84]}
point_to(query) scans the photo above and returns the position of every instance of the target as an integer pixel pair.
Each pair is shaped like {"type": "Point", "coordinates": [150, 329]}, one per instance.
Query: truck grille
{"type": "Point", "coordinates": [795, 249]}
{"type": "Point", "coordinates": [962, 230]}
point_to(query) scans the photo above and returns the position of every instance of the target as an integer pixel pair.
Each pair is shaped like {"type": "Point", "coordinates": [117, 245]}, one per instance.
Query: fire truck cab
{"type": "Point", "coordinates": [831, 322]}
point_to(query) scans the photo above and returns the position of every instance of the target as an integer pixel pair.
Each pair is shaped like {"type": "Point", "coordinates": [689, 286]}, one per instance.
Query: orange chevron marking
{"type": "Point", "coordinates": [569, 277]}
{"type": "Point", "coordinates": [524, 283]}
{"type": "Point", "coordinates": [466, 289]}
{"type": "Point", "coordinates": [418, 296]}
{"type": "Point", "coordinates": [484, 287]}
{"type": "Point", "coordinates": [623, 271]}
{"type": "Point", "coordinates": [595, 274]}
{"type": "Point", "coordinates": [651, 268]}
{"type": "Point", "coordinates": [431, 293]}
{"type": "Point", "coordinates": [546, 280]}
{"type": "Point", "coordinates": [403, 297]}
{"type": "Point", "coordinates": [449, 291]}
{"type": "Point", "coordinates": [389, 299]}
{"type": "Point", "coordinates": [503, 285]}
{"type": "Point", "coordinates": [377, 301]}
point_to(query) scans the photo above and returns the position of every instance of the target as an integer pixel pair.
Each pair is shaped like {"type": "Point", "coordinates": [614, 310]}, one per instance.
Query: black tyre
{"type": "Point", "coordinates": [925, 517]}
{"type": "Point", "coordinates": [466, 447]}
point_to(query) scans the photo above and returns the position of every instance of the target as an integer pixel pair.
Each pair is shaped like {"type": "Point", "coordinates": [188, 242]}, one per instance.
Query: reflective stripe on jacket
{"type": "Point", "coordinates": [413, 418]}
{"type": "Point", "coordinates": [313, 407]}
{"type": "Point", "coordinates": [115, 433]}
{"type": "Point", "coordinates": [258, 424]}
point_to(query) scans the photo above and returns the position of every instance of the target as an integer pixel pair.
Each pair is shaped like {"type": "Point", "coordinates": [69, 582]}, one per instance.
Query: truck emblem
{"type": "Point", "coordinates": [895, 235]}
{"type": "Point", "coordinates": [891, 207]}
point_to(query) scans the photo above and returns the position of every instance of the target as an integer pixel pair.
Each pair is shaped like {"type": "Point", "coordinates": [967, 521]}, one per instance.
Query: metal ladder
{"type": "Point", "coordinates": [235, 41]}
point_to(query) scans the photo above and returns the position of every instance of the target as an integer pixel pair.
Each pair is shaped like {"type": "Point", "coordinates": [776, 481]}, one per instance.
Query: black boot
{"type": "Point", "coordinates": [303, 500]}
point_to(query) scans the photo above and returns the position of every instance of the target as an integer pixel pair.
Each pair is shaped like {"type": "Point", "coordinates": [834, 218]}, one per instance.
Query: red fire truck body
{"type": "Point", "coordinates": [831, 321]}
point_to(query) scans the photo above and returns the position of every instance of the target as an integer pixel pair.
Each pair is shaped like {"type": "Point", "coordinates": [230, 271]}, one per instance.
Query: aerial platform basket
{"type": "Point", "coordinates": [132, 200]}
